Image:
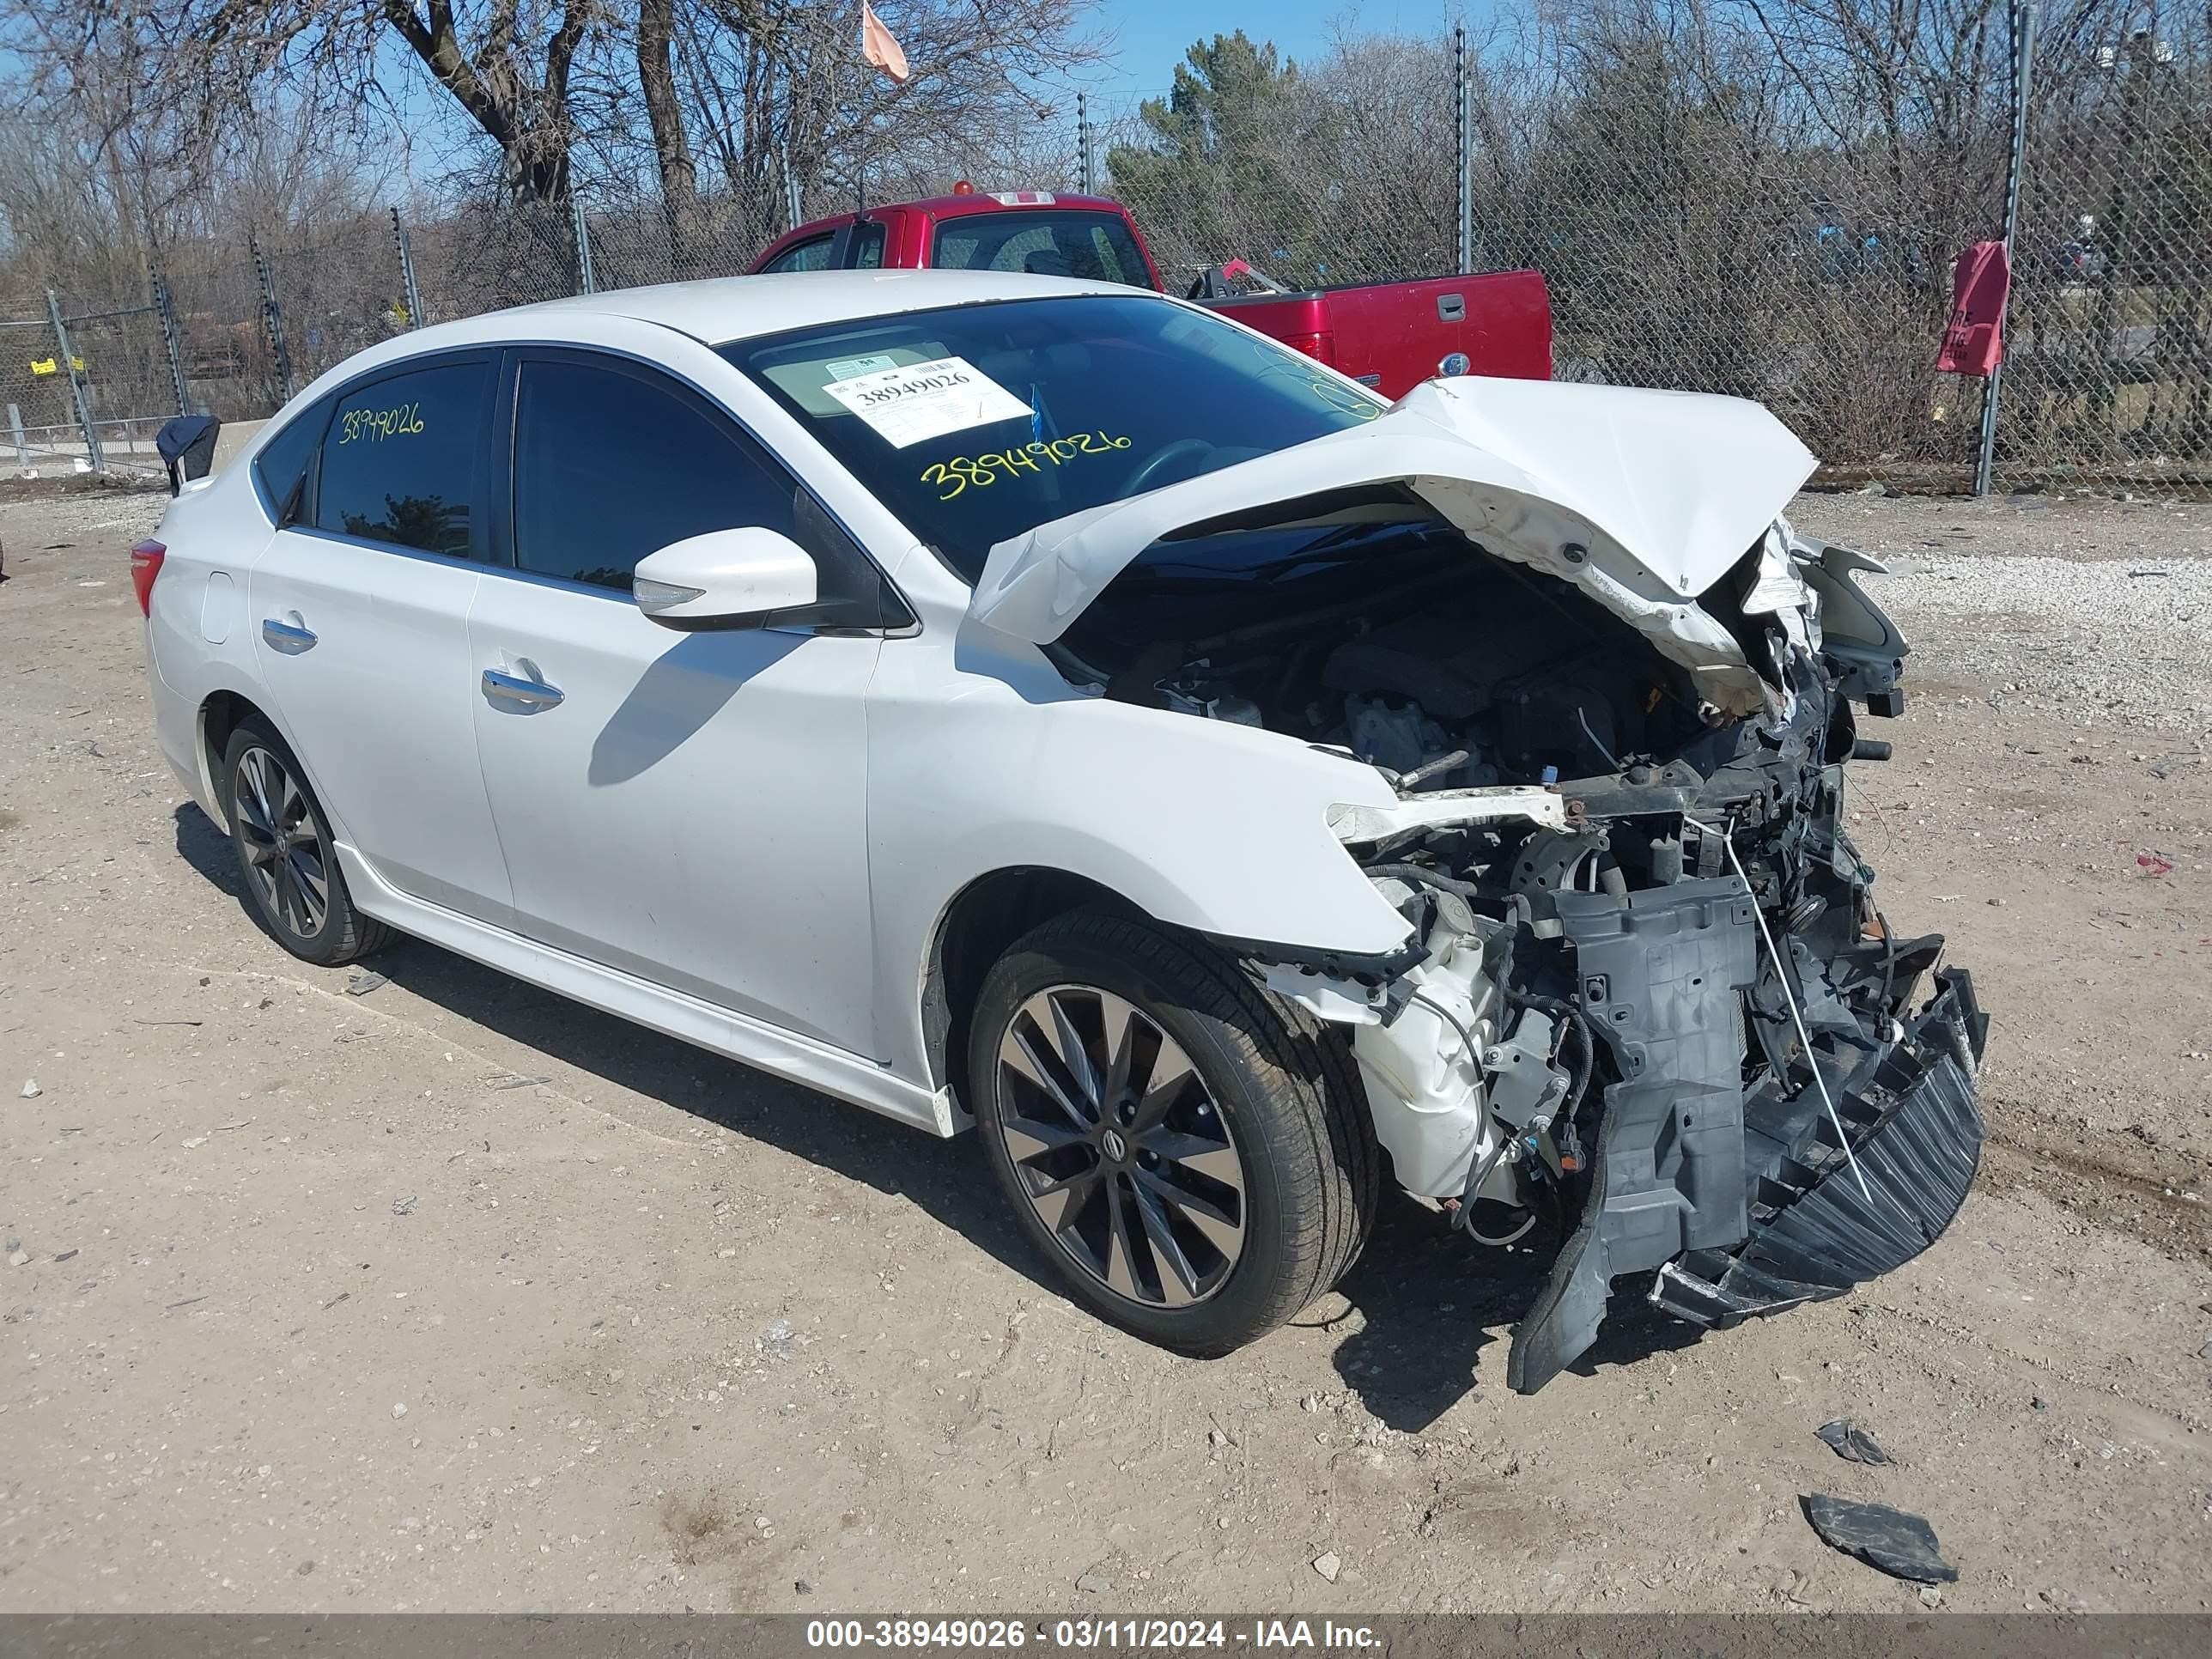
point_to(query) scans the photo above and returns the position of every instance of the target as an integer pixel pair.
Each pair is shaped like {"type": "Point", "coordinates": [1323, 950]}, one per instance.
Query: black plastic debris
{"type": "Point", "coordinates": [1852, 1443]}
{"type": "Point", "coordinates": [1903, 1545]}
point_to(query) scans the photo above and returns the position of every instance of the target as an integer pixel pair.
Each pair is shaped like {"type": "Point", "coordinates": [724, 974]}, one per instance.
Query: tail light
{"type": "Point", "coordinates": [145, 565]}
{"type": "Point", "coordinates": [1321, 347]}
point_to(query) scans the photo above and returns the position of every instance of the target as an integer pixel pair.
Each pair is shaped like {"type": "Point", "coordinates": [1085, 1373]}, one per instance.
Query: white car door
{"type": "Point", "coordinates": [688, 807]}
{"type": "Point", "coordinates": [360, 605]}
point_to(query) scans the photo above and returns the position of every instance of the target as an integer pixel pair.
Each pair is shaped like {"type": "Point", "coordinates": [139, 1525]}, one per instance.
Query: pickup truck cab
{"type": "Point", "coordinates": [1389, 336]}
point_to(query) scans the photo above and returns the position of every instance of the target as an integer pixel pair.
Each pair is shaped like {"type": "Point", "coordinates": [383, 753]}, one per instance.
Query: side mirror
{"type": "Point", "coordinates": [724, 579]}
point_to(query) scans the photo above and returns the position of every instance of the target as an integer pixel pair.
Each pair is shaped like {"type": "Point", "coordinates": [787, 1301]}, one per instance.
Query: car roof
{"type": "Point", "coordinates": [962, 206]}
{"type": "Point", "coordinates": [725, 308]}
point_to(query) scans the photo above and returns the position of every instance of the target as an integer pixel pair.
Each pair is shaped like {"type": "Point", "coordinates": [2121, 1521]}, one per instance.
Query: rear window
{"type": "Point", "coordinates": [1093, 247]}
{"type": "Point", "coordinates": [399, 460]}
{"type": "Point", "coordinates": [806, 256]}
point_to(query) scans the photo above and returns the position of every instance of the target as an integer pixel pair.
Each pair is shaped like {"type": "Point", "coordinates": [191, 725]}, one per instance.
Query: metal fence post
{"type": "Point", "coordinates": [410, 295]}
{"type": "Point", "coordinates": [272, 320]}
{"type": "Point", "coordinates": [78, 393]}
{"type": "Point", "coordinates": [172, 343]}
{"type": "Point", "coordinates": [23, 444]}
{"type": "Point", "coordinates": [793, 211]}
{"type": "Point", "coordinates": [2023, 69]}
{"type": "Point", "coordinates": [586, 282]}
{"type": "Point", "coordinates": [1463, 125]}
{"type": "Point", "coordinates": [1083, 174]}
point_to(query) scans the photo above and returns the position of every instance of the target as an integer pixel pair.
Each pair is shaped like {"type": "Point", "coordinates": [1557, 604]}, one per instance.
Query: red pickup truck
{"type": "Point", "coordinates": [1390, 336]}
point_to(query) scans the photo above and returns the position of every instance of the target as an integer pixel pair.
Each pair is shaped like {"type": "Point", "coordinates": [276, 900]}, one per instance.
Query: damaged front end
{"type": "Point", "coordinates": [1670, 1019]}
{"type": "Point", "coordinates": [1648, 999]}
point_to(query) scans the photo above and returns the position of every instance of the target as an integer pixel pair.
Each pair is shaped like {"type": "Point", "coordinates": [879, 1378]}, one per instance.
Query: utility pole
{"type": "Point", "coordinates": [587, 281]}
{"type": "Point", "coordinates": [165, 307]}
{"type": "Point", "coordinates": [78, 391]}
{"type": "Point", "coordinates": [1463, 124]}
{"type": "Point", "coordinates": [272, 321]}
{"type": "Point", "coordinates": [410, 295]}
{"type": "Point", "coordinates": [2023, 69]}
{"type": "Point", "coordinates": [1083, 174]}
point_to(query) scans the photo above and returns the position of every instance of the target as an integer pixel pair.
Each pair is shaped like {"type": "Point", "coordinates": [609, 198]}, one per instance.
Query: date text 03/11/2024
{"type": "Point", "coordinates": [1276, 1635]}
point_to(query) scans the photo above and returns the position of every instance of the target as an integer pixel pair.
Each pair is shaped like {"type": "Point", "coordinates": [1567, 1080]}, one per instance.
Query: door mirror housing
{"type": "Point", "coordinates": [725, 578]}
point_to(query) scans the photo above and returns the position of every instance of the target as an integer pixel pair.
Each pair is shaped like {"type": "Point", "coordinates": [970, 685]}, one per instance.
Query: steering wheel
{"type": "Point", "coordinates": [1141, 479]}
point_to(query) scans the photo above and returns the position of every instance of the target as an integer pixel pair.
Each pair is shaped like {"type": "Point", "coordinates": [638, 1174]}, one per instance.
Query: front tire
{"type": "Point", "coordinates": [294, 887]}
{"type": "Point", "coordinates": [1192, 1154]}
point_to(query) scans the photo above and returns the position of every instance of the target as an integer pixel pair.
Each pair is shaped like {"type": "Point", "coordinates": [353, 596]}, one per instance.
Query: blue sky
{"type": "Point", "coordinates": [1150, 36]}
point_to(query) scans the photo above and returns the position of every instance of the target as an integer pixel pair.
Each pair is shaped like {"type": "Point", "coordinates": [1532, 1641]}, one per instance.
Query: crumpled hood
{"type": "Point", "coordinates": [1642, 499]}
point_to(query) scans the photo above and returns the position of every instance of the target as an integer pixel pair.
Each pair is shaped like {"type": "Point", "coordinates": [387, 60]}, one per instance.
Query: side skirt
{"type": "Point", "coordinates": [834, 1071]}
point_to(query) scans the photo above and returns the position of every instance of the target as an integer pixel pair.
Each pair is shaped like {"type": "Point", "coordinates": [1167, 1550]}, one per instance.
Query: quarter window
{"type": "Point", "coordinates": [282, 462]}
{"type": "Point", "coordinates": [399, 460]}
{"type": "Point", "coordinates": [609, 467]}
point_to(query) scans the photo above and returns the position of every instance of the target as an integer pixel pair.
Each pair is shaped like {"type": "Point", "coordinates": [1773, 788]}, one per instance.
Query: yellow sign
{"type": "Point", "coordinates": [48, 366]}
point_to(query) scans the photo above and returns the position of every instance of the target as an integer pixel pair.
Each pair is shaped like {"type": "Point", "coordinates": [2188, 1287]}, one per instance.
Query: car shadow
{"type": "Point", "coordinates": [680, 692]}
{"type": "Point", "coordinates": [946, 1178]}
{"type": "Point", "coordinates": [1429, 1300]}
{"type": "Point", "coordinates": [1431, 1303]}
{"type": "Point", "coordinates": [202, 843]}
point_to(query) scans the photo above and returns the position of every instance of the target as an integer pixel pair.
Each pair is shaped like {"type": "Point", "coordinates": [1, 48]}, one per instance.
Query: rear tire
{"type": "Point", "coordinates": [294, 887]}
{"type": "Point", "coordinates": [1199, 1211]}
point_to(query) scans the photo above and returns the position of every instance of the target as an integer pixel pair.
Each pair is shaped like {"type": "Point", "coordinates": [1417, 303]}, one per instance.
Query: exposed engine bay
{"type": "Point", "coordinates": [1651, 1003]}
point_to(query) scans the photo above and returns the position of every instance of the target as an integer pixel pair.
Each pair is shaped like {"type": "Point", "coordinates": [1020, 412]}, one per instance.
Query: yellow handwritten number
{"type": "Point", "coordinates": [955, 476]}
{"type": "Point", "coordinates": [401, 420]}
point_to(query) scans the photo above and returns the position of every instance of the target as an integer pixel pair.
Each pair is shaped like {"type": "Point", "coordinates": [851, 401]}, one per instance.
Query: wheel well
{"type": "Point", "coordinates": [979, 926]}
{"type": "Point", "coordinates": [219, 717]}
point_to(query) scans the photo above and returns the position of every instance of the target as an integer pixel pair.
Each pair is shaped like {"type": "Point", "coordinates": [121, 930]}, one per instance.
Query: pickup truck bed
{"type": "Point", "coordinates": [1392, 336]}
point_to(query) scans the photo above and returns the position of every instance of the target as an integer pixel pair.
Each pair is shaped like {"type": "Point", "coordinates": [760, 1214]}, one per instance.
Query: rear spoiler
{"type": "Point", "coordinates": [186, 446]}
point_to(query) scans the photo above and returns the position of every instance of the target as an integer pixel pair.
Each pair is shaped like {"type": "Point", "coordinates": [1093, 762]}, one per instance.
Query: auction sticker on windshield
{"type": "Point", "coordinates": [915, 402]}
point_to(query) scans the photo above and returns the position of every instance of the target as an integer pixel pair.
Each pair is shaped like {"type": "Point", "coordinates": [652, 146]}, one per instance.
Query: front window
{"type": "Point", "coordinates": [976, 423]}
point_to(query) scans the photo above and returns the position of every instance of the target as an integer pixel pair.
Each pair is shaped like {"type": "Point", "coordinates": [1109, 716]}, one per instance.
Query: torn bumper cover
{"type": "Point", "coordinates": [1749, 1204]}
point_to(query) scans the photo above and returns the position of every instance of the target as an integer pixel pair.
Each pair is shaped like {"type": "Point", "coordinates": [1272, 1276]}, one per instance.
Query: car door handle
{"type": "Point", "coordinates": [290, 637]}
{"type": "Point", "coordinates": [528, 694]}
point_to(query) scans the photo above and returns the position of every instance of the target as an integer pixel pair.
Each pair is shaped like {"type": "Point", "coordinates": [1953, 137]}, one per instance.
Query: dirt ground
{"type": "Point", "coordinates": [454, 1295]}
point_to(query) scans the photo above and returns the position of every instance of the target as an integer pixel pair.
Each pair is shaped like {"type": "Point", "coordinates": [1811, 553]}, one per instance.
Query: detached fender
{"type": "Point", "coordinates": [982, 759]}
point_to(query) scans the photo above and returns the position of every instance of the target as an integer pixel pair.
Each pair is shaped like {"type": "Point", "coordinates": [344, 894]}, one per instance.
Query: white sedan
{"type": "Point", "coordinates": [1026, 704]}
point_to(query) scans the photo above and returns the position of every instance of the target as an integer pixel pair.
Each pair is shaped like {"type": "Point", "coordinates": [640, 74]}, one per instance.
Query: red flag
{"type": "Point", "coordinates": [878, 47]}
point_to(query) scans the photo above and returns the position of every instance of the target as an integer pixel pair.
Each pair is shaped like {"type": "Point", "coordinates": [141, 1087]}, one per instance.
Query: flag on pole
{"type": "Point", "coordinates": [878, 47]}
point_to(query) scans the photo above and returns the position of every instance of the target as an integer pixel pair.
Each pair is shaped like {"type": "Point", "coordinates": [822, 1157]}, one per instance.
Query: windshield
{"type": "Point", "coordinates": [976, 423]}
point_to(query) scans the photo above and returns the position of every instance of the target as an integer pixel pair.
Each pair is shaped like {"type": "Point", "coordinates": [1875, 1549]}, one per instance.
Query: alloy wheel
{"type": "Point", "coordinates": [285, 858]}
{"type": "Point", "coordinates": [1120, 1146]}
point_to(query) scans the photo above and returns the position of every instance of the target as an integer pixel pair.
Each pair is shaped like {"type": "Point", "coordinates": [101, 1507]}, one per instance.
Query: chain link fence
{"type": "Point", "coordinates": [1717, 205]}
{"type": "Point", "coordinates": [86, 385]}
{"type": "Point", "coordinates": [2108, 373]}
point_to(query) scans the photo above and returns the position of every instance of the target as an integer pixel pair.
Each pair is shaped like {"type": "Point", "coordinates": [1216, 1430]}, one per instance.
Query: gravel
{"type": "Point", "coordinates": [2087, 639]}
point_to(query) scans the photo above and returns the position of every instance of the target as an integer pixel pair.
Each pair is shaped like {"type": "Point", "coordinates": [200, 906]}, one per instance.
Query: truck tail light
{"type": "Point", "coordinates": [1320, 346]}
{"type": "Point", "coordinates": [145, 565]}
